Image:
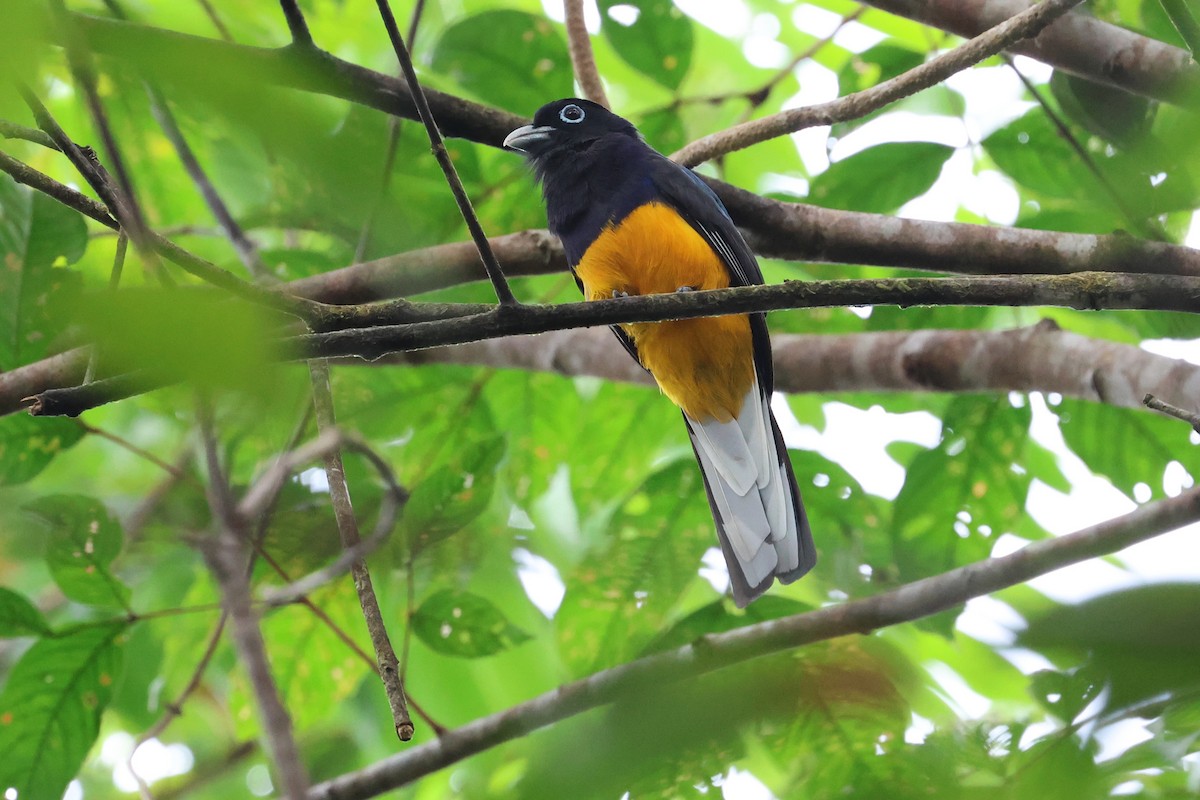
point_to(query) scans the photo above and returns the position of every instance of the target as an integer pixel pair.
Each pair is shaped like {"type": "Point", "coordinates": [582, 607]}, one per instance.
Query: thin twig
{"type": "Point", "coordinates": [211, 13]}
{"type": "Point", "coordinates": [495, 274]}
{"type": "Point", "coordinates": [245, 249]}
{"type": "Point", "coordinates": [1144, 227]}
{"type": "Point", "coordinates": [907, 603]}
{"type": "Point", "coordinates": [296, 23]}
{"type": "Point", "coordinates": [339, 496]}
{"type": "Point", "coordinates": [174, 709]}
{"type": "Point", "coordinates": [170, 469]}
{"type": "Point", "coordinates": [389, 156]}
{"type": "Point", "coordinates": [1190, 417]}
{"type": "Point", "coordinates": [225, 553]}
{"type": "Point", "coordinates": [1185, 22]}
{"type": "Point", "coordinates": [579, 41]}
{"type": "Point", "coordinates": [854, 106]}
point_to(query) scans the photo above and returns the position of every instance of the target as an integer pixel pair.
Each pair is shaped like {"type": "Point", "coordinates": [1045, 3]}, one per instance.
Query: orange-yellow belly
{"type": "Point", "coordinates": [705, 366]}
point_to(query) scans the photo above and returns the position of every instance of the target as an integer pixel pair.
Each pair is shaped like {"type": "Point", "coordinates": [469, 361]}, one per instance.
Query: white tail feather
{"type": "Point", "coordinates": [750, 489]}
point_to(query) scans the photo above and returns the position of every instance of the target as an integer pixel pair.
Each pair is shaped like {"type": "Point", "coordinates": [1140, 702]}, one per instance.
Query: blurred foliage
{"type": "Point", "coordinates": [522, 483]}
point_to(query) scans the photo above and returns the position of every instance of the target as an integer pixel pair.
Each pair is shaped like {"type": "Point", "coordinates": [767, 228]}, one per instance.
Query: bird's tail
{"type": "Point", "coordinates": [752, 492]}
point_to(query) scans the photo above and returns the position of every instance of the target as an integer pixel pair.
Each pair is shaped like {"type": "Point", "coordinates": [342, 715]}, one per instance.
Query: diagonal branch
{"type": "Point", "coordinates": [854, 106]}
{"type": "Point", "coordinates": [297, 26]}
{"type": "Point", "coordinates": [495, 274]}
{"type": "Point", "coordinates": [907, 603]}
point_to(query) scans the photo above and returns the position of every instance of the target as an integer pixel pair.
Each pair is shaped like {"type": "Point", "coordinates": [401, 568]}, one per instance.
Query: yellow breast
{"type": "Point", "coordinates": [705, 366]}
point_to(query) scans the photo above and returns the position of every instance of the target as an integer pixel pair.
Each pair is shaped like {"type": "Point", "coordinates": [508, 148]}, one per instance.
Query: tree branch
{"type": "Point", "coordinates": [1079, 44]}
{"type": "Point", "coordinates": [1190, 417]}
{"type": "Point", "coordinates": [1081, 290]}
{"type": "Point", "coordinates": [579, 42]}
{"type": "Point", "coordinates": [296, 23]}
{"type": "Point", "coordinates": [339, 497]}
{"type": "Point", "coordinates": [854, 106]}
{"type": "Point", "coordinates": [1038, 358]}
{"type": "Point", "coordinates": [225, 554]}
{"type": "Point", "coordinates": [495, 274]}
{"type": "Point", "coordinates": [909, 602]}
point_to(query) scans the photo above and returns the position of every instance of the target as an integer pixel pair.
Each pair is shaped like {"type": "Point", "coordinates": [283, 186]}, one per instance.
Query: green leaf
{"type": "Point", "coordinates": [1143, 641]}
{"type": "Point", "coordinates": [880, 179]}
{"type": "Point", "coordinates": [83, 542]}
{"type": "Point", "coordinates": [1124, 445]}
{"type": "Point", "coordinates": [453, 495]}
{"type": "Point", "coordinates": [1033, 154]}
{"type": "Point", "coordinates": [28, 444]}
{"type": "Point", "coordinates": [1120, 117]}
{"type": "Point", "coordinates": [960, 496]}
{"type": "Point", "coordinates": [465, 625]}
{"type": "Point", "coordinates": [658, 43]}
{"type": "Point", "coordinates": [51, 706]}
{"type": "Point", "coordinates": [35, 233]}
{"type": "Point", "coordinates": [1065, 694]}
{"type": "Point", "coordinates": [18, 617]}
{"type": "Point", "coordinates": [515, 60]}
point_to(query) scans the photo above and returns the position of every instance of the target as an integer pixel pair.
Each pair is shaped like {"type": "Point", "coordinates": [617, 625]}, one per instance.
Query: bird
{"type": "Point", "coordinates": [633, 222]}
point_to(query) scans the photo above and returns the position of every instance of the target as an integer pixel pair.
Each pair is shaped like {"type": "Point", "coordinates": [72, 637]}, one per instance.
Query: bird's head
{"type": "Point", "coordinates": [568, 124]}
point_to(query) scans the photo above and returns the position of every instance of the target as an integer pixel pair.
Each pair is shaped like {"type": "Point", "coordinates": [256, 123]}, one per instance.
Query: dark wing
{"type": "Point", "coordinates": [703, 210]}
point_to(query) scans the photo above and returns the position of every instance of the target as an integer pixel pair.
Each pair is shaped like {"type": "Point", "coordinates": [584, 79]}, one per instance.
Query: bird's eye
{"type": "Point", "coordinates": [571, 113]}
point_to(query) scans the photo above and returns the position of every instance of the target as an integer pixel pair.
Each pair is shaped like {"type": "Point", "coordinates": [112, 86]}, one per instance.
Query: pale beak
{"type": "Point", "coordinates": [526, 138]}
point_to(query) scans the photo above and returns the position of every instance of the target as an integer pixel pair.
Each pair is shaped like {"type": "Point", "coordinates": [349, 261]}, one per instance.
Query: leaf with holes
{"type": "Point", "coordinates": [452, 496]}
{"type": "Point", "coordinates": [465, 625]}
{"type": "Point", "coordinates": [82, 544]}
{"type": "Point", "coordinates": [28, 444]}
{"type": "Point", "coordinates": [18, 617]}
{"type": "Point", "coordinates": [652, 36]}
{"type": "Point", "coordinates": [51, 706]}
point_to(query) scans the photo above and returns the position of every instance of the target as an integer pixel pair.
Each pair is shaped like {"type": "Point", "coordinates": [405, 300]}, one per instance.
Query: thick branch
{"type": "Point", "coordinates": [1041, 358]}
{"type": "Point", "coordinates": [910, 602]}
{"type": "Point", "coordinates": [1078, 43]}
{"type": "Point", "coordinates": [855, 106]}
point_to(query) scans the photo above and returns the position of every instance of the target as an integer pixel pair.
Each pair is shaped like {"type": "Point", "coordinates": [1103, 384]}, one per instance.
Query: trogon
{"type": "Point", "coordinates": [634, 222]}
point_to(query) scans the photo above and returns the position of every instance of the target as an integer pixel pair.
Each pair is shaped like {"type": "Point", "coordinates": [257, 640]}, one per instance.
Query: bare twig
{"type": "Point", "coordinates": [1190, 417]}
{"type": "Point", "coordinates": [389, 156]}
{"type": "Point", "coordinates": [225, 553]}
{"type": "Point", "coordinates": [859, 104]}
{"type": "Point", "coordinates": [580, 44]}
{"type": "Point", "coordinates": [339, 496]}
{"type": "Point", "coordinates": [1148, 228]}
{"type": "Point", "coordinates": [296, 24]}
{"type": "Point", "coordinates": [245, 249]}
{"type": "Point", "coordinates": [114, 280]}
{"type": "Point", "coordinates": [907, 603]}
{"type": "Point", "coordinates": [174, 709]}
{"type": "Point", "coordinates": [495, 274]}
{"type": "Point", "coordinates": [215, 19]}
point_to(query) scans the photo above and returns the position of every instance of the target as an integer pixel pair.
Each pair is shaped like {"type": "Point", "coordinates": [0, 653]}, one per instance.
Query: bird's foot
{"type": "Point", "coordinates": [685, 289]}
{"type": "Point", "coordinates": [618, 293]}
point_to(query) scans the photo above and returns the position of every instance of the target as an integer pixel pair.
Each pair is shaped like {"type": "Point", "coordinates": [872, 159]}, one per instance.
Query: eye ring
{"type": "Point", "coordinates": [571, 114]}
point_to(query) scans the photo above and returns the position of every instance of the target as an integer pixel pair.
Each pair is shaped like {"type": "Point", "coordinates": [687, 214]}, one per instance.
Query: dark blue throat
{"type": "Point", "coordinates": [591, 185]}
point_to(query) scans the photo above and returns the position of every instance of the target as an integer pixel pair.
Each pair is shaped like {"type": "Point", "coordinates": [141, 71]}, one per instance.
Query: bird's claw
{"type": "Point", "coordinates": [618, 293]}
{"type": "Point", "coordinates": [685, 289]}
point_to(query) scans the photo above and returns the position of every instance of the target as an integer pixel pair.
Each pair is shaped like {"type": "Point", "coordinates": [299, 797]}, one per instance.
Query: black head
{"type": "Point", "coordinates": [572, 124]}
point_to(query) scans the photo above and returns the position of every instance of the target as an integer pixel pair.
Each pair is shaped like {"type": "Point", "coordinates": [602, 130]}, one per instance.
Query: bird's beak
{"type": "Point", "coordinates": [526, 138]}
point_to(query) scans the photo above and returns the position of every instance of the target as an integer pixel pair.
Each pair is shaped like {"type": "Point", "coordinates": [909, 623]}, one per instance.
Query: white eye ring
{"type": "Point", "coordinates": [573, 109]}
